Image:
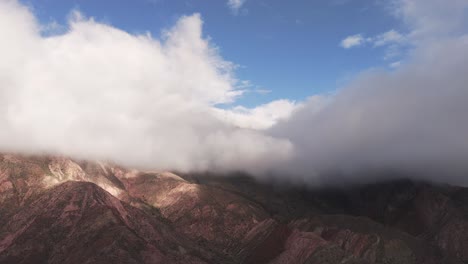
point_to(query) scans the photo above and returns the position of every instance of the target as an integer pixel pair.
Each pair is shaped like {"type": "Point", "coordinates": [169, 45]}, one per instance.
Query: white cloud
{"type": "Point", "coordinates": [236, 5]}
{"type": "Point", "coordinates": [262, 91]}
{"type": "Point", "coordinates": [409, 121]}
{"type": "Point", "coordinates": [260, 117]}
{"type": "Point", "coordinates": [395, 64]}
{"type": "Point", "coordinates": [98, 92]}
{"type": "Point", "coordinates": [389, 37]}
{"type": "Point", "coordinates": [52, 28]}
{"type": "Point", "coordinates": [352, 41]}
{"type": "Point", "coordinates": [433, 18]}
{"type": "Point", "coordinates": [393, 41]}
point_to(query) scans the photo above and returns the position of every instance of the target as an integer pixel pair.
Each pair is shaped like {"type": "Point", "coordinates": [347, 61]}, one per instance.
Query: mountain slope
{"type": "Point", "coordinates": [57, 210]}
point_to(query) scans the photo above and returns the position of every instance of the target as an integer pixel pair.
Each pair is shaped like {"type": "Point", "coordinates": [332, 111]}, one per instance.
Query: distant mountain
{"type": "Point", "coordinates": [58, 210]}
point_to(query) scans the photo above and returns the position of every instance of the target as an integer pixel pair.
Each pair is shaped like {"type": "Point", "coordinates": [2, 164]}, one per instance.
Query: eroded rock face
{"type": "Point", "coordinates": [205, 214]}
{"type": "Point", "coordinates": [58, 210]}
{"type": "Point", "coordinates": [78, 222]}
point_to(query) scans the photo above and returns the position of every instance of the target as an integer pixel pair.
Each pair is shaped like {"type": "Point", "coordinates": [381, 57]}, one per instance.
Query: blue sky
{"type": "Point", "coordinates": [292, 50]}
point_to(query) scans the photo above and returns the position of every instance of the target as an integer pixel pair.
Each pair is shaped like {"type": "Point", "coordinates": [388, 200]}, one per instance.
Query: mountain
{"type": "Point", "coordinates": [59, 210]}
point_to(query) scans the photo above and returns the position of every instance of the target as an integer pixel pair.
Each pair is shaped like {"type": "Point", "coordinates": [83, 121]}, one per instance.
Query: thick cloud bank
{"type": "Point", "coordinates": [411, 121]}
{"type": "Point", "coordinates": [98, 92]}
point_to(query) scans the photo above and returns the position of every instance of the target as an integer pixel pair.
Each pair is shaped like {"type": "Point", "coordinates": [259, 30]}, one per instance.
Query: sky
{"type": "Point", "coordinates": [316, 93]}
{"type": "Point", "coordinates": [283, 50]}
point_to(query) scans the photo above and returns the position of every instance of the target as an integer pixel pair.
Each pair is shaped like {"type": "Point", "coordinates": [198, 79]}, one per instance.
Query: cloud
{"type": "Point", "coordinates": [410, 121]}
{"type": "Point", "coordinates": [395, 64]}
{"type": "Point", "coordinates": [352, 41]}
{"type": "Point", "coordinates": [262, 91]}
{"type": "Point", "coordinates": [394, 42]}
{"type": "Point", "coordinates": [235, 5]}
{"type": "Point", "coordinates": [389, 37]}
{"type": "Point", "coordinates": [98, 92]}
{"type": "Point", "coordinates": [433, 18]}
{"type": "Point", "coordinates": [259, 118]}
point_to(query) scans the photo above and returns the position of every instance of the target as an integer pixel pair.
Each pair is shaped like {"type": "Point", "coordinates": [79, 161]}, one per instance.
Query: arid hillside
{"type": "Point", "coordinates": [59, 210]}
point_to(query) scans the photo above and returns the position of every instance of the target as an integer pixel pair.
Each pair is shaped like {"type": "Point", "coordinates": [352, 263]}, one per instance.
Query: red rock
{"type": "Point", "coordinates": [57, 210]}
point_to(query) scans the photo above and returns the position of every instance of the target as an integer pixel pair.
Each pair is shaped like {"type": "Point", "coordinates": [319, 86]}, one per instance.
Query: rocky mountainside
{"type": "Point", "coordinates": [59, 210]}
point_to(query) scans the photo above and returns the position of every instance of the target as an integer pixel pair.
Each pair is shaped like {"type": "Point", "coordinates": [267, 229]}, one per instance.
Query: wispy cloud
{"type": "Point", "coordinates": [262, 91]}
{"type": "Point", "coordinates": [352, 41]}
{"type": "Point", "coordinates": [236, 5]}
{"type": "Point", "coordinates": [390, 37]}
{"type": "Point", "coordinates": [432, 18]}
{"type": "Point", "coordinates": [395, 64]}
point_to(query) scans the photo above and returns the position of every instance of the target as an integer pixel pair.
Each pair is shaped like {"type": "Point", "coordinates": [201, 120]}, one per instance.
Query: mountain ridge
{"type": "Point", "coordinates": [49, 205]}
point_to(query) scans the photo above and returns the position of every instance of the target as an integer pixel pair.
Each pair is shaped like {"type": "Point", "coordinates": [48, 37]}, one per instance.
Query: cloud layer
{"type": "Point", "coordinates": [98, 92]}
{"type": "Point", "coordinates": [412, 120]}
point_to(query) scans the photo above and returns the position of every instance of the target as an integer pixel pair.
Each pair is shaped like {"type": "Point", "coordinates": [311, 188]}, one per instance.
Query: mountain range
{"type": "Point", "coordinates": [56, 209]}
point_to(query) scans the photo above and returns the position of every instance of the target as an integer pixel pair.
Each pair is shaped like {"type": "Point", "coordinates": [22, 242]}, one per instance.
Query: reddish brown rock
{"type": "Point", "coordinates": [58, 210]}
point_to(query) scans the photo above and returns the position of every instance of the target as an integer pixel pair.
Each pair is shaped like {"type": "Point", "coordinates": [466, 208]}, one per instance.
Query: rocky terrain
{"type": "Point", "coordinates": [59, 210]}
